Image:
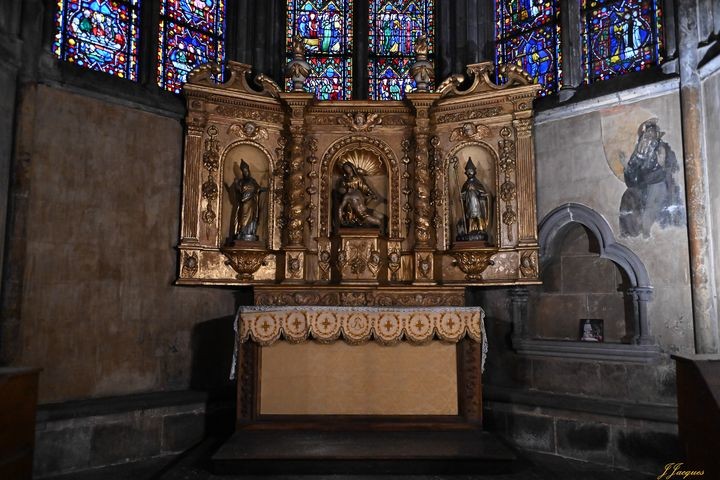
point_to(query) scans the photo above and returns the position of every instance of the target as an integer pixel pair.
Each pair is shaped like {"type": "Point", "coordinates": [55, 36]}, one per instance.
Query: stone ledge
{"type": "Point", "coordinates": [86, 434]}
{"type": "Point", "coordinates": [113, 405]}
{"type": "Point", "coordinates": [613, 352]}
{"type": "Point", "coordinates": [595, 406]}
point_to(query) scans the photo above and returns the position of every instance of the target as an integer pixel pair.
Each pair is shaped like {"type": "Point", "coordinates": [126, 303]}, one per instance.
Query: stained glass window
{"type": "Point", "coordinates": [620, 37]}
{"type": "Point", "coordinates": [101, 35]}
{"type": "Point", "coordinates": [393, 27]}
{"type": "Point", "coordinates": [326, 29]}
{"type": "Point", "coordinates": [191, 33]}
{"type": "Point", "coordinates": [527, 33]}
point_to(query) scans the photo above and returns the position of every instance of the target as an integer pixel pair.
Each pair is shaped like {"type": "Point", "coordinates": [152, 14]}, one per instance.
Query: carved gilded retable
{"type": "Point", "coordinates": [413, 154]}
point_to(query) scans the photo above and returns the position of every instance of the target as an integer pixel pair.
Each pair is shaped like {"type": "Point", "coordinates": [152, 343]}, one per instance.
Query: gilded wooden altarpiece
{"type": "Point", "coordinates": [414, 156]}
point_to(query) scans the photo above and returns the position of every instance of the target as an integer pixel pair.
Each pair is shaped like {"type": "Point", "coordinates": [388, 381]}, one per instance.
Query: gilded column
{"type": "Point", "coordinates": [527, 210]}
{"type": "Point", "coordinates": [295, 188]}
{"type": "Point", "coordinates": [196, 121]}
{"type": "Point", "coordinates": [423, 187]}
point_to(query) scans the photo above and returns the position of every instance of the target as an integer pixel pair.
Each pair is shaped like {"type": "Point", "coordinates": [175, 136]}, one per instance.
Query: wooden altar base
{"type": "Point", "coordinates": [363, 452]}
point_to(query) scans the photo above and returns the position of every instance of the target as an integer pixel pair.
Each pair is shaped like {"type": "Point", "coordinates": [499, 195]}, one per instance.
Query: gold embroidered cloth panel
{"type": "Point", "coordinates": [385, 325]}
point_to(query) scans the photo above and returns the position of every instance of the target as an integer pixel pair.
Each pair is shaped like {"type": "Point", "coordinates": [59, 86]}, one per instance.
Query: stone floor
{"type": "Point", "coordinates": [193, 465]}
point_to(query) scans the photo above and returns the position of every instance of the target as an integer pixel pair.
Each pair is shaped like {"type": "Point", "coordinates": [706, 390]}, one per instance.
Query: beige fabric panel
{"type": "Point", "coordinates": [370, 379]}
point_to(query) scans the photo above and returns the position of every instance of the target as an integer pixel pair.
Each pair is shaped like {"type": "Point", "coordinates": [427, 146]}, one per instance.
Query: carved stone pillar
{"type": "Point", "coordinates": [196, 121]}
{"type": "Point", "coordinates": [519, 305]}
{"type": "Point", "coordinates": [296, 207]}
{"type": "Point", "coordinates": [526, 208]}
{"type": "Point", "coordinates": [423, 187]}
{"type": "Point", "coordinates": [641, 296]}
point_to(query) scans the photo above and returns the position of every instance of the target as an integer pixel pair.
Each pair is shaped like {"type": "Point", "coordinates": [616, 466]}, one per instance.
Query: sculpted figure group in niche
{"type": "Point", "coordinates": [354, 195]}
{"type": "Point", "coordinates": [652, 194]}
{"type": "Point", "coordinates": [475, 201]}
{"type": "Point", "coordinates": [247, 210]}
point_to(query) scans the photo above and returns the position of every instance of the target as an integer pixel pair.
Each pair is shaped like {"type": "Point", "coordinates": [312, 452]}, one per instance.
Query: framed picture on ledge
{"type": "Point", "coordinates": [591, 330]}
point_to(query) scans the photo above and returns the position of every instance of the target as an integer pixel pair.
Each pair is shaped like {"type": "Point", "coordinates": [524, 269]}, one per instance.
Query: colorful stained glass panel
{"type": "Point", "coordinates": [324, 25]}
{"type": "Point", "coordinates": [191, 33]}
{"type": "Point", "coordinates": [527, 33]}
{"type": "Point", "coordinates": [515, 16]}
{"type": "Point", "coordinates": [199, 14]}
{"type": "Point", "coordinates": [620, 37]}
{"type": "Point", "coordinates": [326, 29]}
{"type": "Point", "coordinates": [330, 78]}
{"type": "Point", "coordinates": [390, 78]}
{"type": "Point", "coordinates": [394, 26]}
{"type": "Point", "coordinates": [100, 35]}
{"type": "Point", "coordinates": [537, 53]}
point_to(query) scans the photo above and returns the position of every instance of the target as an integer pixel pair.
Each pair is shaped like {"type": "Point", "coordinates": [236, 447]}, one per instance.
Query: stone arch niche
{"type": "Point", "coordinates": [582, 223]}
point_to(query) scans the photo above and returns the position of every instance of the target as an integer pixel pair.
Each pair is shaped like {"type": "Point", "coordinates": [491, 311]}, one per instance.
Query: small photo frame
{"type": "Point", "coordinates": [591, 330]}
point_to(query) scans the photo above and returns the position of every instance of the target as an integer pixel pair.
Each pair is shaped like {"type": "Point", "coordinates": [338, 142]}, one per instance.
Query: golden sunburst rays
{"type": "Point", "coordinates": [365, 162]}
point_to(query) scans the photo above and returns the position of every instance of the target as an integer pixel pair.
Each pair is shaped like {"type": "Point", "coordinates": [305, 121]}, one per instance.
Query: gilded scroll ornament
{"type": "Point", "coordinates": [386, 325]}
{"type": "Point", "coordinates": [473, 262]}
{"type": "Point", "coordinates": [386, 297]}
{"type": "Point", "coordinates": [469, 114]}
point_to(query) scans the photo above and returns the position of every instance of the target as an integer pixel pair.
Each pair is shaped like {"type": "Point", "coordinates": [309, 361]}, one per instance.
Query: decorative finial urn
{"type": "Point", "coordinates": [422, 69]}
{"type": "Point", "coordinates": [298, 69]}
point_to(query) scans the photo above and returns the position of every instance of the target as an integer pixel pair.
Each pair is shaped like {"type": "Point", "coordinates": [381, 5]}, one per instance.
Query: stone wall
{"type": "Point", "coordinates": [611, 411]}
{"type": "Point", "coordinates": [99, 312]}
{"type": "Point", "coordinates": [711, 99]}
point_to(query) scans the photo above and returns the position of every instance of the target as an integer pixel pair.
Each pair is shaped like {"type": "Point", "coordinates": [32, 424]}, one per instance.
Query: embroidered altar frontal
{"type": "Point", "coordinates": [362, 361]}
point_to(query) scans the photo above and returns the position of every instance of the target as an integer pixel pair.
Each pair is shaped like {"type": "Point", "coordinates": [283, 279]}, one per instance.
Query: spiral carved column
{"type": "Point", "coordinates": [424, 251]}
{"type": "Point", "coordinates": [295, 188]}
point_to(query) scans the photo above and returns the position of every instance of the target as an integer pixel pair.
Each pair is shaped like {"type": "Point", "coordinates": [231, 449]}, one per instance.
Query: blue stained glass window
{"type": "Point", "coordinates": [527, 33]}
{"type": "Point", "coordinates": [620, 37]}
{"type": "Point", "coordinates": [191, 33]}
{"type": "Point", "coordinates": [393, 27]}
{"type": "Point", "coordinates": [100, 35]}
{"type": "Point", "coordinates": [326, 29]}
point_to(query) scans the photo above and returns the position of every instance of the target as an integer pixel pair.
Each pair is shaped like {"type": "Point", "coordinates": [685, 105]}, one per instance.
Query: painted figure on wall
{"type": "Point", "coordinates": [475, 201]}
{"type": "Point", "coordinates": [247, 210]}
{"type": "Point", "coordinates": [652, 194]}
{"type": "Point", "coordinates": [354, 196]}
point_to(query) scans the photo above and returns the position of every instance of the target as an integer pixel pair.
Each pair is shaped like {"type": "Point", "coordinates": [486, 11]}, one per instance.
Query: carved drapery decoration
{"type": "Point", "coordinates": [211, 161]}
{"type": "Point", "coordinates": [311, 147]}
{"type": "Point", "coordinates": [385, 325]}
{"type": "Point", "coordinates": [507, 190]}
{"type": "Point", "coordinates": [330, 158]}
{"type": "Point", "coordinates": [407, 187]}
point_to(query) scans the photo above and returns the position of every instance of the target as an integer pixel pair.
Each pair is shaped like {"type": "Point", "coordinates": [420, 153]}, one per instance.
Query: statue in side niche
{"type": "Point", "coordinates": [247, 210]}
{"type": "Point", "coordinates": [475, 201]}
{"type": "Point", "coordinates": [354, 195]}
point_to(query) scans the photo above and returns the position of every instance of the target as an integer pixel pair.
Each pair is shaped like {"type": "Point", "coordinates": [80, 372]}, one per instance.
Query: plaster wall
{"type": "Point", "coordinates": [100, 314]}
{"type": "Point", "coordinates": [580, 159]}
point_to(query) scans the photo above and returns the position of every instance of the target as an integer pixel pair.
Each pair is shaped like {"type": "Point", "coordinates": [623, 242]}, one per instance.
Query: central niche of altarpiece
{"type": "Point", "coordinates": [282, 189]}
